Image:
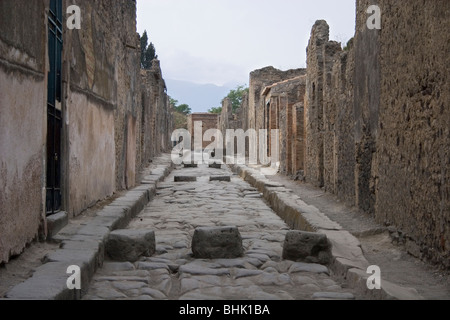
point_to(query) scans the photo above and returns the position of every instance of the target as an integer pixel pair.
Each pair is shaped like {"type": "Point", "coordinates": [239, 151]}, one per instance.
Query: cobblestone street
{"type": "Point", "coordinates": [173, 273]}
{"type": "Point", "coordinates": [141, 162]}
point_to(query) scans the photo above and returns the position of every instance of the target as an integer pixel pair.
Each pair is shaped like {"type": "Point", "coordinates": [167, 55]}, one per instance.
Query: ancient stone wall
{"type": "Point", "coordinates": [366, 106]}
{"type": "Point", "coordinates": [298, 136]}
{"type": "Point", "coordinates": [341, 118]}
{"type": "Point", "coordinates": [376, 122]}
{"type": "Point", "coordinates": [208, 120]}
{"type": "Point", "coordinates": [22, 123]}
{"type": "Point", "coordinates": [314, 107]}
{"type": "Point", "coordinates": [332, 51]}
{"type": "Point", "coordinates": [259, 79]}
{"type": "Point", "coordinates": [227, 121]}
{"type": "Point", "coordinates": [281, 100]}
{"type": "Point", "coordinates": [233, 121]}
{"type": "Point", "coordinates": [130, 118]}
{"type": "Point", "coordinates": [298, 131]}
{"type": "Point", "coordinates": [156, 115]}
{"type": "Point", "coordinates": [103, 102]}
{"type": "Point", "coordinates": [243, 112]}
{"type": "Point", "coordinates": [113, 121]}
{"type": "Point", "coordinates": [412, 157]}
{"type": "Point", "coordinates": [226, 116]}
{"type": "Point", "coordinates": [342, 82]}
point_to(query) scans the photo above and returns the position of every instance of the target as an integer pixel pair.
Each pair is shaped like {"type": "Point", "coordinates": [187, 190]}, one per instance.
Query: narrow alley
{"type": "Point", "coordinates": [173, 273]}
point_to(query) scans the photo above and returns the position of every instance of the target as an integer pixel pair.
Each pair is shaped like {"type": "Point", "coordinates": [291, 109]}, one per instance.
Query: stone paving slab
{"type": "Point", "coordinates": [174, 273]}
{"type": "Point", "coordinates": [174, 212]}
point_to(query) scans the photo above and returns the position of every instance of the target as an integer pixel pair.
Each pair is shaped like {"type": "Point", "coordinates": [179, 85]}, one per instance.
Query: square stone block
{"type": "Point", "coordinates": [185, 179]}
{"type": "Point", "coordinates": [130, 245]}
{"type": "Point", "coordinates": [217, 243]}
{"type": "Point", "coordinates": [220, 178]}
{"type": "Point", "coordinates": [307, 247]}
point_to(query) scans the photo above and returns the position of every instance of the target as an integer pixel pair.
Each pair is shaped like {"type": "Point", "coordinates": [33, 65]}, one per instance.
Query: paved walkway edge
{"type": "Point", "coordinates": [349, 262]}
{"type": "Point", "coordinates": [85, 248]}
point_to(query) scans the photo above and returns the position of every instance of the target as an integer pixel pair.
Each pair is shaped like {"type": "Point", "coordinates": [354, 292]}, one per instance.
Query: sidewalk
{"type": "Point", "coordinates": [358, 241]}
{"type": "Point", "coordinates": [82, 241]}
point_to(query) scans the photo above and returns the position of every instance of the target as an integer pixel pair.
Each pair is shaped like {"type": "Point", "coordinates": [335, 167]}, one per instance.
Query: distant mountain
{"type": "Point", "coordinates": [200, 97]}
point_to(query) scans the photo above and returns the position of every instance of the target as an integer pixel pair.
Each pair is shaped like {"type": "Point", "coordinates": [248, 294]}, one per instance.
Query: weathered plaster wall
{"type": "Point", "coordinates": [92, 149]}
{"type": "Point", "coordinates": [22, 124]}
{"type": "Point", "coordinates": [112, 125]}
{"type": "Point", "coordinates": [103, 66]}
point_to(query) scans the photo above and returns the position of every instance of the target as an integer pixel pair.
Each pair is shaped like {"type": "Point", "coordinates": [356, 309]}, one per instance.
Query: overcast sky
{"type": "Point", "coordinates": [222, 41]}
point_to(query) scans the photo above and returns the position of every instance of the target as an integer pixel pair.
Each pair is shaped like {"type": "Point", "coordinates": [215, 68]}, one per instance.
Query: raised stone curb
{"type": "Point", "coordinates": [348, 261]}
{"type": "Point", "coordinates": [56, 222]}
{"type": "Point", "coordinates": [389, 291]}
{"type": "Point", "coordinates": [49, 282]}
{"type": "Point", "coordinates": [85, 246]}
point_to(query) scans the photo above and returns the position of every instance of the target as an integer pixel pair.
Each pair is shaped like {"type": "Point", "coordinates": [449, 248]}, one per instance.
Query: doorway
{"type": "Point", "coordinates": [54, 108]}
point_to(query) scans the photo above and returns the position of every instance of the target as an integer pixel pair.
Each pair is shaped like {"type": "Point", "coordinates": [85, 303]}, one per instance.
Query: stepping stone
{"type": "Point", "coordinates": [217, 243]}
{"type": "Point", "coordinates": [130, 245]}
{"type": "Point", "coordinates": [185, 179]}
{"type": "Point", "coordinates": [220, 178]}
{"type": "Point", "coordinates": [307, 247]}
{"type": "Point", "coordinates": [190, 165]}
